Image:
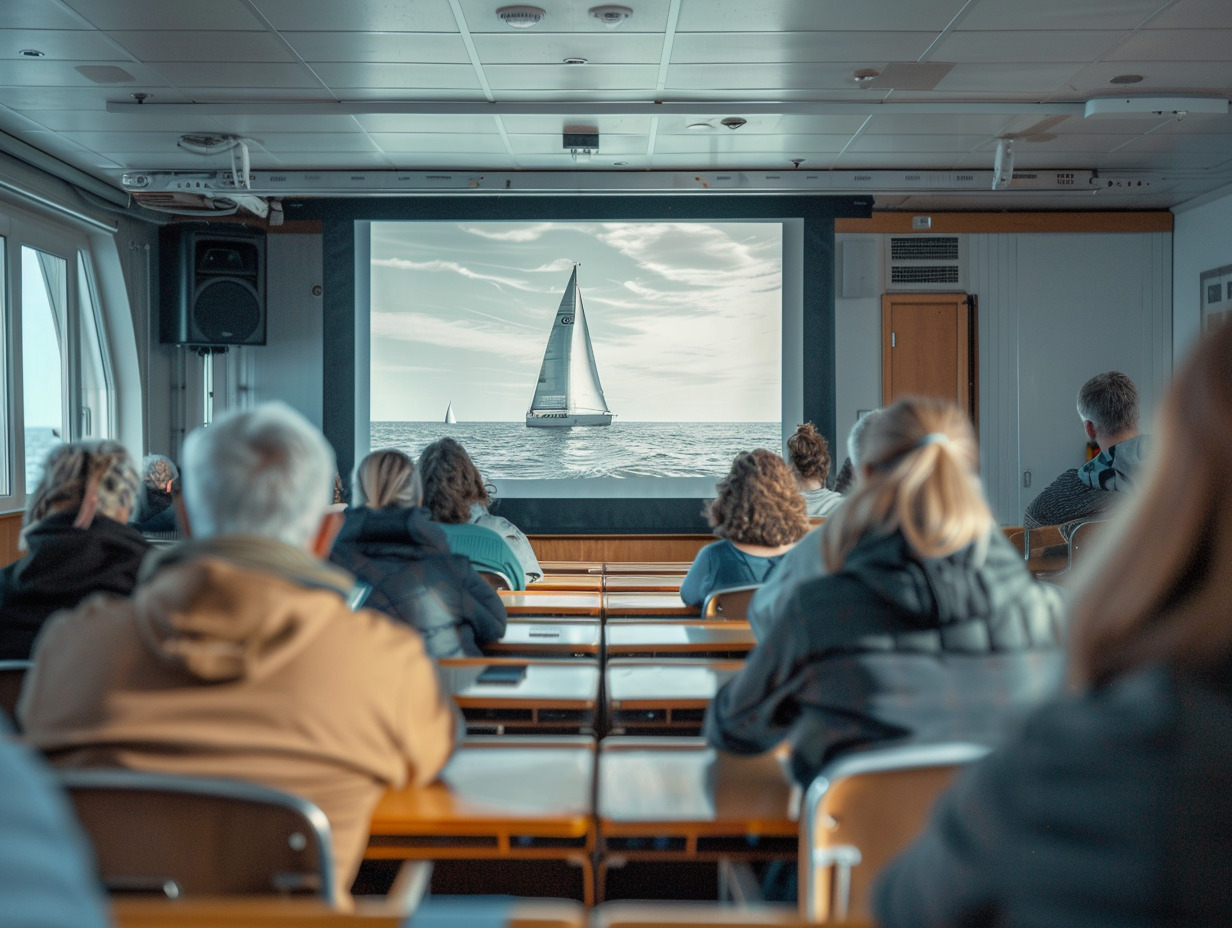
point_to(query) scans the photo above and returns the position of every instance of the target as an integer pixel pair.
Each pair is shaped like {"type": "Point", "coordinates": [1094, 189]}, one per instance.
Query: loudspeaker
{"type": "Point", "coordinates": [211, 286]}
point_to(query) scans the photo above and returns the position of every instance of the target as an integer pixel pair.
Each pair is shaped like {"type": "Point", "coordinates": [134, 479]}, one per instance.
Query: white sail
{"type": "Point", "coordinates": [450, 418]}
{"type": "Point", "coordinates": [568, 392]}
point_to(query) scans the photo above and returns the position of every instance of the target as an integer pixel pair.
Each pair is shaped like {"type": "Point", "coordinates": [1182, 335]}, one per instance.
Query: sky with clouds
{"type": "Point", "coordinates": [685, 318]}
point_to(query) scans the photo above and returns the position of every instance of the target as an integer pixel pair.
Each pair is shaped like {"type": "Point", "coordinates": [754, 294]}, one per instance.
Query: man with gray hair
{"type": "Point", "coordinates": [237, 654]}
{"type": "Point", "coordinates": [156, 512]}
{"type": "Point", "coordinates": [1108, 408]}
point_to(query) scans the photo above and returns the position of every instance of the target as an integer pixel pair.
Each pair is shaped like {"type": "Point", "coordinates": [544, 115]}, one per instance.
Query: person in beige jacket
{"type": "Point", "coordinates": [237, 654]}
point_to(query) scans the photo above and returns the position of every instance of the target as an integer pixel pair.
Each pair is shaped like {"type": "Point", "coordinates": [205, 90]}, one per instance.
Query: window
{"type": "Point", "coordinates": [44, 308]}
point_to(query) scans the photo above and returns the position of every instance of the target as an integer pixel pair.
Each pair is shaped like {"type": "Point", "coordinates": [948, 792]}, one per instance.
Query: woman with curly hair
{"type": "Point", "coordinates": [77, 540]}
{"type": "Point", "coordinates": [459, 500]}
{"type": "Point", "coordinates": [925, 624]}
{"type": "Point", "coordinates": [808, 453]}
{"type": "Point", "coordinates": [758, 515]}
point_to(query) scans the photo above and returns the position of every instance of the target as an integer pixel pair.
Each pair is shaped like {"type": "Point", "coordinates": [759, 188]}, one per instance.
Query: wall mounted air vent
{"type": "Point", "coordinates": [926, 262]}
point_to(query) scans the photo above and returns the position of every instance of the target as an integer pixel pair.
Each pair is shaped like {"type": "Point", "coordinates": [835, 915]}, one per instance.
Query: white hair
{"type": "Point", "coordinates": [265, 471]}
{"type": "Point", "coordinates": [855, 438]}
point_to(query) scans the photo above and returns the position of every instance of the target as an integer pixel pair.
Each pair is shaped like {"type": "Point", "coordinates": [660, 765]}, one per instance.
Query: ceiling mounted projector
{"type": "Point", "coordinates": [1129, 107]}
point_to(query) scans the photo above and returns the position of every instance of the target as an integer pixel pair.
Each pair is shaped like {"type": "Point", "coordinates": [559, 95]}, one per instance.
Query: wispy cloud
{"type": "Point", "coordinates": [454, 267]}
{"type": "Point", "coordinates": [524, 233]}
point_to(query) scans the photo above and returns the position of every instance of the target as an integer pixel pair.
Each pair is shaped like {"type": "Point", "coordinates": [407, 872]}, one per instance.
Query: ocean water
{"type": "Point", "coordinates": [622, 449]}
{"type": "Point", "coordinates": [39, 440]}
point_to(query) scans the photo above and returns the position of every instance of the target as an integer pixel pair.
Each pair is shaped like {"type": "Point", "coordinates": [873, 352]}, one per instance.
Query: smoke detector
{"type": "Point", "coordinates": [734, 122]}
{"type": "Point", "coordinates": [610, 14]}
{"type": "Point", "coordinates": [521, 17]}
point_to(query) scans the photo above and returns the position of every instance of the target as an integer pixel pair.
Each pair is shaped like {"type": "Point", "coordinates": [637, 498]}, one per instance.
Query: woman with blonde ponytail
{"type": "Point", "coordinates": [926, 623]}
{"type": "Point", "coordinates": [389, 541]}
{"type": "Point", "coordinates": [76, 537]}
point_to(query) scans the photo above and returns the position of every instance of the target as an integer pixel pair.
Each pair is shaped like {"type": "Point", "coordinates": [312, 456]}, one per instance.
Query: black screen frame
{"type": "Point", "coordinates": [571, 516]}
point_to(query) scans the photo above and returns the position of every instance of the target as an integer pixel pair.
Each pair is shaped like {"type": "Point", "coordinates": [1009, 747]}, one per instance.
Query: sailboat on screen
{"type": "Point", "coordinates": [568, 392]}
{"type": "Point", "coordinates": [450, 418]}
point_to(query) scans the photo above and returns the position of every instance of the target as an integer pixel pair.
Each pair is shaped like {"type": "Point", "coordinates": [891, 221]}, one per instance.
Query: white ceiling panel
{"type": "Point", "coordinates": [1175, 45]}
{"type": "Point", "coordinates": [1159, 77]}
{"type": "Point", "coordinates": [341, 143]}
{"type": "Point", "coordinates": [389, 47]}
{"type": "Point", "coordinates": [357, 15]}
{"type": "Point", "coordinates": [269, 77]}
{"type": "Point", "coordinates": [38, 14]}
{"type": "Point", "coordinates": [751, 81]}
{"type": "Point", "coordinates": [567, 16]}
{"type": "Point", "coordinates": [99, 120]}
{"type": "Point", "coordinates": [1015, 77]}
{"type": "Point", "coordinates": [1194, 14]}
{"type": "Point", "coordinates": [776, 47]}
{"type": "Point", "coordinates": [553, 47]}
{"type": "Point", "coordinates": [561, 77]}
{"type": "Point", "coordinates": [959, 144]}
{"type": "Point", "coordinates": [408, 78]}
{"type": "Point", "coordinates": [544, 125]}
{"type": "Point", "coordinates": [942, 124]}
{"type": "Point", "coordinates": [609, 145]}
{"type": "Point", "coordinates": [736, 143]}
{"type": "Point", "coordinates": [59, 44]}
{"type": "Point", "coordinates": [813, 16]}
{"type": "Point", "coordinates": [247, 125]}
{"type": "Point", "coordinates": [402, 142]}
{"type": "Point", "coordinates": [478, 125]}
{"type": "Point", "coordinates": [167, 14]}
{"type": "Point", "coordinates": [1026, 46]}
{"type": "Point", "coordinates": [211, 45]}
{"type": "Point", "coordinates": [39, 72]}
{"type": "Point", "coordinates": [1059, 15]}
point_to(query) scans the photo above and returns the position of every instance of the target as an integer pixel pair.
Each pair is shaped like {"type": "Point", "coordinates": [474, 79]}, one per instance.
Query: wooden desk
{"type": "Point", "coordinates": [552, 602]}
{"type": "Point", "coordinates": [554, 695]}
{"type": "Point", "coordinates": [568, 582]}
{"type": "Point", "coordinates": [664, 695]}
{"type": "Point", "coordinates": [647, 567]}
{"type": "Point", "coordinates": [527, 798]}
{"type": "Point", "coordinates": [616, 605]}
{"type": "Point", "coordinates": [571, 567]}
{"type": "Point", "coordinates": [643, 583]}
{"type": "Point", "coordinates": [539, 638]}
{"type": "Point", "coordinates": [677, 799]}
{"type": "Point", "coordinates": [721, 639]}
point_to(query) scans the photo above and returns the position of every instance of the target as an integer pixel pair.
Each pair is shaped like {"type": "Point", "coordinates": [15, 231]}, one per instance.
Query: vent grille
{"type": "Point", "coordinates": [924, 248]}
{"type": "Point", "coordinates": [915, 274]}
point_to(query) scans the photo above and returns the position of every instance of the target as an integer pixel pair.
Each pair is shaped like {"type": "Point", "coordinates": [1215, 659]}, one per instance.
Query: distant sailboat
{"type": "Point", "coordinates": [450, 418]}
{"type": "Point", "coordinates": [568, 392]}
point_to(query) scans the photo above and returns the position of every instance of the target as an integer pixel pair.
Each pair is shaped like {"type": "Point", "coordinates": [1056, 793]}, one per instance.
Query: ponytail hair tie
{"type": "Point", "coordinates": [933, 438]}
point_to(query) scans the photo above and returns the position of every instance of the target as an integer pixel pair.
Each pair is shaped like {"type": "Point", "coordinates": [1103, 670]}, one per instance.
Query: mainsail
{"type": "Point", "coordinates": [568, 392]}
{"type": "Point", "coordinates": [450, 418]}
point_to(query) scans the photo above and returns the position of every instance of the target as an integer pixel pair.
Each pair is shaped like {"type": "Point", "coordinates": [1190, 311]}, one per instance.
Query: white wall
{"type": "Point", "coordinates": [1201, 242]}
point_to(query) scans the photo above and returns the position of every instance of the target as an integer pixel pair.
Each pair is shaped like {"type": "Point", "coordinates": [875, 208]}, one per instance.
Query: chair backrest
{"type": "Point", "coordinates": [1017, 536]}
{"type": "Point", "coordinates": [175, 835]}
{"type": "Point", "coordinates": [496, 580]}
{"type": "Point", "coordinates": [859, 813]}
{"type": "Point", "coordinates": [12, 673]}
{"type": "Point", "coordinates": [1082, 538]}
{"type": "Point", "coordinates": [731, 603]}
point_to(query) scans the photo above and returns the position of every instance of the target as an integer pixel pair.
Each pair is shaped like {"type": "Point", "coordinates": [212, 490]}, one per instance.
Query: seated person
{"type": "Point", "coordinates": [805, 560]}
{"type": "Point", "coordinates": [458, 499]}
{"type": "Point", "coordinates": [237, 655]}
{"type": "Point", "coordinates": [76, 538]}
{"type": "Point", "coordinates": [1112, 805]}
{"type": "Point", "coordinates": [758, 515]}
{"type": "Point", "coordinates": [389, 542]}
{"type": "Point", "coordinates": [1108, 407]}
{"type": "Point", "coordinates": [47, 876]}
{"type": "Point", "coordinates": [808, 453]}
{"type": "Point", "coordinates": [926, 624]}
{"type": "Point", "coordinates": [156, 514]}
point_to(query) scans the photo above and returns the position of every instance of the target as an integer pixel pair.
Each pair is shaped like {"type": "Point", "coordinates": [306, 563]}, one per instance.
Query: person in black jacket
{"type": "Point", "coordinates": [76, 539]}
{"type": "Point", "coordinates": [926, 625]}
{"type": "Point", "coordinates": [389, 541]}
{"type": "Point", "coordinates": [1113, 805]}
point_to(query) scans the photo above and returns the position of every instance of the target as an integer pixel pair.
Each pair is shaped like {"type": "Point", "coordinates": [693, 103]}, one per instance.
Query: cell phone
{"type": "Point", "coordinates": [502, 674]}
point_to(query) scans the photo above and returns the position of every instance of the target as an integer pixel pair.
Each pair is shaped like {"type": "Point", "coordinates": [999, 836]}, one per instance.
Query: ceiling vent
{"type": "Point", "coordinates": [521, 16]}
{"type": "Point", "coordinates": [926, 262]}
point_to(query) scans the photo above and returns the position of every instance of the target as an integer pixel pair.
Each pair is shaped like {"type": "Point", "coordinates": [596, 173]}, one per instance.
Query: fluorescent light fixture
{"type": "Point", "coordinates": [1129, 107]}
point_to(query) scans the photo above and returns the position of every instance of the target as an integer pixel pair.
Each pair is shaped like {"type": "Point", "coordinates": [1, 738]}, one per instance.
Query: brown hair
{"type": "Point", "coordinates": [758, 503]}
{"type": "Point", "coordinates": [918, 463]}
{"type": "Point", "coordinates": [386, 478]}
{"type": "Point", "coordinates": [809, 453]}
{"type": "Point", "coordinates": [1159, 591]}
{"type": "Point", "coordinates": [451, 482]}
{"type": "Point", "coordinates": [88, 476]}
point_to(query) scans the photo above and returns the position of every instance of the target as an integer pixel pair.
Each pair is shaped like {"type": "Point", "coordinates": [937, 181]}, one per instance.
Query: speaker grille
{"type": "Point", "coordinates": [227, 311]}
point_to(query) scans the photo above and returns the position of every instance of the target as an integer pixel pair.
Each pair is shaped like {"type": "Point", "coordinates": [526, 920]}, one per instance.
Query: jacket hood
{"type": "Point", "coordinates": [411, 527]}
{"type": "Point", "coordinates": [234, 608]}
{"type": "Point", "coordinates": [1116, 467]}
{"type": "Point", "coordinates": [60, 557]}
{"type": "Point", "coordinates": [937, 591]}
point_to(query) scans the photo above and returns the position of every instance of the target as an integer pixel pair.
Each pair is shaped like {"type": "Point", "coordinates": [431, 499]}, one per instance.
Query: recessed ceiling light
{"type": "Point", "coordinates": [699, 126]}
{"type": "Point", "coordinates": [575, 61]}
{"type": "Point", "coordinates": [864, 77]}
{"type": "Point", "coordinates": [31, 53]}
{"type": "Point", "coordinates": [521, 17]}
{"type": "Point", "coordinates": [610, 14]}
{"type": "Point", "coordinates": [1126, 79]}
{"type": "Point", "coordinates": [734, 122]}
{"type": "Point", "coordinates": [619, 164]}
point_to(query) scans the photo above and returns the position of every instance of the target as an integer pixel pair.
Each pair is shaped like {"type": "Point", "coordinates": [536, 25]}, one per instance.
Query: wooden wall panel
{"type": "Point", "coordinates": [10, 529]}
{"type": "Point", "coordinates": [618, 547]}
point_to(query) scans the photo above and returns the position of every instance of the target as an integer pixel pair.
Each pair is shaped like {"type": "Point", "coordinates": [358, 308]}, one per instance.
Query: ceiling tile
{"type": "Point", "coordinates": [325, 161]}
{"type": "Point", "coordinates": [166, 14]}
{"type": "Point", "coordinates": [99, 120]}
{"type": "Point", "coordinates": [59, 45]}
{"type": "Point", "coordinates": [553, 77]}
{"type": "Point", "coordinates": [553, 47]}
{"type": "Point", "coordinates": [358, 15]}
{"type": "Point", "coordinates": [758, 79]}
{"type": "Point", "coordinates": [191, 45]}
{"type": "Point", "coordinates": [389, 47]}
{"type": "Point", "coordinates": [776, 47]}
{"type": "Point", "coordinates": [270, 77]}
{"type": "Point", "coordinates": [38, 14]}
{"type": "Point", "coordinates": [812, 16]}
{"type": "Point", "coordinates": [1058, 15]}
{"type": "Point", "coordinates": [427, 123]}
{"type": "Point", "coordinates": [1194, 14]}
{"type": "Point", "coordinates": [609, 145]}
{"type": "Point", "coordinates": [63, 98]}
{"type": "Point", "coordinates": [342, 144]}
{"type": "Point", "coordinates": [566, 16]}
{"type": "Point", "coordinates": [1041, 79]}
{"type": "Point", "coordinates": [40, 72]}
{"type": "Point", "coordinates": [406, 79]}
{"type": "Point", "coordinates": [944, 124]}
{"type": "Point", "coordinates": [1026, 46]}
{"type": "Point", "coordinates": [530, 125]}
{"type": "Point", "coordinates": [401, 142]}
{"type": "Point", "coordinates": [917, 143]}
{"type": "Point", "coordinates": [1182, 45]}
{"type": "Point", "coordinates": [1159, 77]}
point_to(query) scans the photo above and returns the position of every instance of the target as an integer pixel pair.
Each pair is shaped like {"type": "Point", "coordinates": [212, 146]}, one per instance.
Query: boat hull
{"type": "Point", "coordinates": [552, 420]}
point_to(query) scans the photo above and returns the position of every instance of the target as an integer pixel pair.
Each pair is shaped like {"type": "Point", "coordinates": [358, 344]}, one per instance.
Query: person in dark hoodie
{"type": "Point", "coordinates": [926, 625]}
{"type": "Point", "coordinates": [156, 512]}
{"type": "Point", "coordinates": [390, 542]}
{"type": "Point", "coordinates": [76, 539]}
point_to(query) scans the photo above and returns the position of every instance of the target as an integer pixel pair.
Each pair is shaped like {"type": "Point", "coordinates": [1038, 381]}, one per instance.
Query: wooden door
{"type": "Point", "coordinates": [927, 347]}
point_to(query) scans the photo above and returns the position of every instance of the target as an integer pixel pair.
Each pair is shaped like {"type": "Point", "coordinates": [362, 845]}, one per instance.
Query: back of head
{"type": "Point", "coordinates": [158, 470]}
{"type": "Point", "coordinates": [758, 503]}
{"type": "Point", "coordinates": [1158, 591]}
{"type": "Point", "coordinates": [451, 482]}
{"type": "Point", "coordinates": [809, 453]}
{"type": "Point", "coordinates": [918, 475]}
{"type": "Point", "coordinates": [855, 438]}
{"type": "Point", "coordinates": [265, 471]}
{"type": "Point", "coordinates": [86, 477]}
{"type": "Point", "coordinates": [1109, 401]}
{"type": "Point", "coordinates": [386, 478]}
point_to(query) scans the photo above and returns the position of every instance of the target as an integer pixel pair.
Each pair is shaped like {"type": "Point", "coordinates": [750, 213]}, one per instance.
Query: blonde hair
{"type": "Point", "coordinates": [89, 476]}
{"type": "Point", "coordinates": [1159, 590]}
{"type": "Point", "coordinates": [386, 478]}
{"type": "Point", "coordinates": [919, 465]}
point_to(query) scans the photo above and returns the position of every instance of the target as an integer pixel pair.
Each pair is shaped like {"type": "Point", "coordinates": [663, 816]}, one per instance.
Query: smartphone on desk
{"type": "Point", "coordinates": [502, 674]}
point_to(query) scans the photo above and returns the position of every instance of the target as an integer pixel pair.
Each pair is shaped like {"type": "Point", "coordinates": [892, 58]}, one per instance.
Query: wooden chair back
{"type": "Point", "coordinates": [192, 836]}
{"type": "Point", "coordinates": [859, 813]}
{"type": "Point", "coordinates": [731, 603]}
{"type": "Point", "coordinates": [1046, 551]}
{"type": "Point", "coordinates": [1017, 536]}
{"type": "Point", "coordinates": [1082, 539]}
{"type": "Point", "coordinates": [496, 580]}
{"type": "Point", "coordinates": [12, 674]}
